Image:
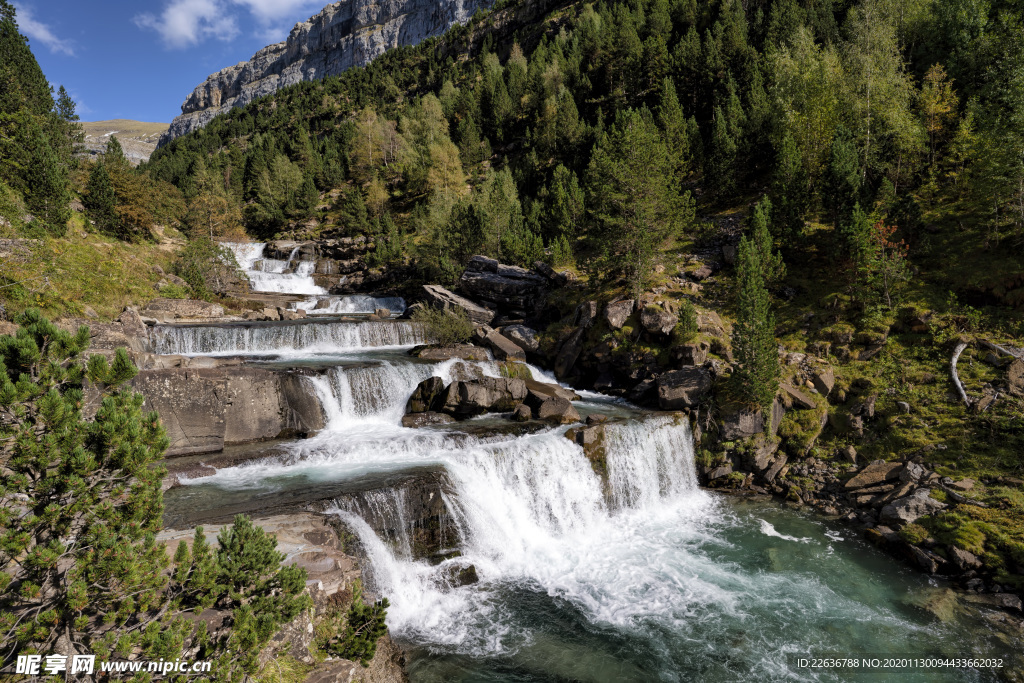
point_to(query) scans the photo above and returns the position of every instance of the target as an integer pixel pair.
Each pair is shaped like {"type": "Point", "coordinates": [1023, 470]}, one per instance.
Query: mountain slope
{"type": "Point", "coordinates": [137, 138]}
{"type": "Point", "coordinates": [342, 35]}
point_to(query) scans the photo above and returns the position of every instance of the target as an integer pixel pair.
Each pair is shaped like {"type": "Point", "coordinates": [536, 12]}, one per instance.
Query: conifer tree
{"type": "Point", "coordinates": [759, 231]}
{"type": "Point", "coordinates": [790, 196]}
{"type": "Point", "coordinates": [757, 372]}
{"type": "Point", "coordinates": [100, 199]}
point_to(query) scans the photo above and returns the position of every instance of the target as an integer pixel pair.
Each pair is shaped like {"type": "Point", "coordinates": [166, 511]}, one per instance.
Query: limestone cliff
{"type": "Point", "coordinates": [344, 34]}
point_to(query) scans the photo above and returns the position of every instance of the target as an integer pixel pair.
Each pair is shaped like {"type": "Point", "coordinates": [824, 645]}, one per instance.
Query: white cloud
{"type": "Point", "coordinates": [188, 22]}
{"type": "Point", "coordinates": [39, 31]}
{"type": "Point", "coordinates": [269, 11]}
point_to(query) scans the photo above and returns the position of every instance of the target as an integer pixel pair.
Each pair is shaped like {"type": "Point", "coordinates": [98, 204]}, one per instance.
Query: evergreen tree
{"type": "Point", "coordinates": [842, 178]}
{"type": "Point", "coordinates": [673, 124]}
{"type": "Point", "coordinates": [566, 203]}
{"type": "Point", "coordinates": [100, 200]}
{"type": "Point", "coordinates": [635, 204]}
{"type": "Point", "coordinates": [721, 166]}
{"type": "Point", "coordinates": [790, 196]}
{"type": "Point", "coordinates": [759, 231]}
{"type": "Point", "coordinates": [756, 376]}
{"type": "Point", "coordinates": [46, 182]}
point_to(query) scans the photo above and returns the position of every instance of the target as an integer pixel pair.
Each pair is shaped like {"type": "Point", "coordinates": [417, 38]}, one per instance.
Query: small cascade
{"type": "Point", "coordinates": [378, 393]}
{"type": "Point", "coordinates": [284, 339]}
{"type": "Point", "coordinates": [351, 304]}
{"type": "Point", "coordinates": [273, 275]}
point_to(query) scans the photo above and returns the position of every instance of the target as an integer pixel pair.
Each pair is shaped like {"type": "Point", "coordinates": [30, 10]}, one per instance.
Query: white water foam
{"type": "Point", "coordinates": [273, 275]}
{"type": "Point", "coordinates": [353, 303]}
{"type": "Point", "coordinates": [769, 530]}
{"type": "Point", "coordinates": [284, 340]}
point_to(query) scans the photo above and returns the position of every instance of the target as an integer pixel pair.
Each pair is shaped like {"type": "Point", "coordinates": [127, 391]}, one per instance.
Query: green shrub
{"type": "Point", "coordinates": [363, 628]}
{"type": "Point", "coordinates": [207, 267]}
{"type": "Point", "coordinates": [914, 533]}
{"type": "Point", "coordinates": [174, 292]}
{"type": "Point", "coordinates": [687, 327]}
{"type": "Point", "coordinates": [445, 327]}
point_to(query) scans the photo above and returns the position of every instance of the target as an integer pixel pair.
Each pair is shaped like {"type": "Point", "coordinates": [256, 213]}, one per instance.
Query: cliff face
{"type": "Point", "coordinates": [344, 34]}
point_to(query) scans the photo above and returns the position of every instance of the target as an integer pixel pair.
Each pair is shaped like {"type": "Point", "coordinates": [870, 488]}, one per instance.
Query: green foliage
{"type": "Point", "coordinates": [515, 370]}
{"type": "Point", "coordinates": [756, 376]}
{"type": "Point", "coordinates": [688, 325]}
{"type": "Point", "coordinates": [101, 201]}
{"type": "Point", "coordinates": [633, 203]}
{"type": "Point", "coordinates": [207, 267]}
{"type": "Point", "coordinates": [446, 327]}
{"type": "Point", "coordinates": [772, 267]}
{"type": "Point", "coordinates": [364, 626]}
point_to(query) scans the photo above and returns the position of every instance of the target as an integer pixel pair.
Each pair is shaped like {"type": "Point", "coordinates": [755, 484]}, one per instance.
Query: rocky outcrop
{"type": "Point", "coordinates": [205, 409]}
{"type": "Point", "coordinates": [342, 35]}
{"type": "Point", "coordinates": [176, 310]}
{"type": "Point", "coordinates": [439, 297]}
{"type": "Point", "coordinates": [508, 288]}
{"type": "Point", "coordinates": [525, 399]}
{"type": "Point", "coordinates": [684, 388]}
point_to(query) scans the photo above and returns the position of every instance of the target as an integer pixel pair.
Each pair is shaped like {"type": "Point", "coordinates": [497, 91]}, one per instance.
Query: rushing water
{"type": "Point", "coordinates": [349, 304]}
{"type": "Point", "coordinates": [642, 576]}
{"type": "Point", "coordinates": [271, 275]}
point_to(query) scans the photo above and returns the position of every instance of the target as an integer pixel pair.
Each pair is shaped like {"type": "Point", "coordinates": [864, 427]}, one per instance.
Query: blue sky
{"type": "Point", "coordinates": [125, 59]}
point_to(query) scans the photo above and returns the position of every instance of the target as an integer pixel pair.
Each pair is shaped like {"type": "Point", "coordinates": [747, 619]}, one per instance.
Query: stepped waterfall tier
{"type": "Point", "coordinates": [507, 556]}
{"type": "Point", "coordinates": [508, 552]}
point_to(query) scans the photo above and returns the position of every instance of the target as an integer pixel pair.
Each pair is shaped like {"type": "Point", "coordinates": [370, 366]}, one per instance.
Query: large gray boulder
{"type": "Point", "coordinates": [487, 395]}
{"type": "Point", "coordinates": [738, 422]}
{"type": "Point", "coordinates": [908, 509]}
{"type": "Point", "coordinates": [205, 409]}
{"type": "Point", "coordinates": [439, 297]}
{"type": "Point", "coordinates": [502, 286]}
{"type": "Point", "coordinates": [558, 410]}
{"type": "Point", "coordinates": [657, 321]}
{"type": "Point", "coordinates": [539, 392]}
{"type": "Point", "coordinates": [425, 396]}
{"type": "Point", "coordinates": [502, 347]}
{"type": "Point", "coordinates": [522, 336]}
{"type": "Point", "coordinates": [684, 388]}
{"type": "Point", "coordinates": [617, 312]}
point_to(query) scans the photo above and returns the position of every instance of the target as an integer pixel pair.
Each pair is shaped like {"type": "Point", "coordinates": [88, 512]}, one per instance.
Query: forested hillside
{"type": "Point", "coordinates": [511, 137]}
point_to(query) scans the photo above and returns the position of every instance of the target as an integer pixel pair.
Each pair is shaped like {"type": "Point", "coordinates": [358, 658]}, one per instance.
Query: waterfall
{"type": "Point", "coordinates": [355, 303]}
{"type": "Point", "coordinates": [531, 511]}
{"type": "Point", "coordinates": [283, 339]}
{"type": "Point", "coordinates": [378, 393]}
{"type": "Point", "coordinates": [273, 275]}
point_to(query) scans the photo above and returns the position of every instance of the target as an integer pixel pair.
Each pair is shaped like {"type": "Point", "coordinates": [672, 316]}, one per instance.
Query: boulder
{"type": "Point", "coordinates": [166, 310]}
{"type": "Point", "coordinates": [558, 410]}
{"type": "Point", "coordinates": [695, 353]}
{"type": "Point", "coordinates": [962, 485]}
{"type": "Point", "coordinates": [426, 395]}
{"type": "Point", "coordinates": [487, 395]}
{"type": "Point", "coordinates": [847, 454]}
{"type": "Point", "coordinates": [617, 312]}
{"type": "Point", "coordinates": [439, 297]}
{"type": "Point", "coordinates": [426, 419]}
{"type": "Point", "coordinates": [382, 313]}
{"type": "Point", "coordinates": [500, 285]}
{"type": "Point", "coordinates": [522, 413]}
{"type": "Point", "coordinates": [684, 388]}
{"type": "Point", "coordinates": [522, 336]}
{"type": "Point", "coordinates": [1015, 377]}
{"type": "Point", "coordinates": [876, 473]}
{"type": "Point", "coordinates": [657, 321]}
{"type": "Point", "coordinates": [963, 560]}
{"type": "Point", "coordinates": [441, 353]}
{"type": "Point", "coordinates": [739, 422]}
{"type": "Point", "coordinates": [720, 471]}
{"type": "Point", "coordinates": [556, 278]}
{"type": "Point", "coordinates": [906, 510]}
{"type": "Point", "coordinates": [824, 379]}
{"type": "Point", "coordinates": [502, 347]}
{"type": "Point", "coordinates": [844, 423]}
{"type": "Point", "coordinates": [778, 412]}
{"type": "Point", "coordinates": [796, 398]}
{"type": "Point", "coordinates": [539, 392]}
{"type": "Point", "coordinates": [205, 409]}
{"type": "Point", "coordinates": [585, 314]}
{"type": "Point", "coordinates": [1006, 601]}
{"type": "Point", "coordinates": [773, 471]}
{"type": "Point", "coordinates": [569, 352]}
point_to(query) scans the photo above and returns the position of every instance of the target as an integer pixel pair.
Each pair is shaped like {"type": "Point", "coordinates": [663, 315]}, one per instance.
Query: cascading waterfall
{"type": "Point", "coordinates": [532, 511]}
{"type": "Point", "coordinates": [274, 275]}
{"type": "Point", "coordinates": [285, 339]}
{"type": "Point", "coordinates": [350, 304]}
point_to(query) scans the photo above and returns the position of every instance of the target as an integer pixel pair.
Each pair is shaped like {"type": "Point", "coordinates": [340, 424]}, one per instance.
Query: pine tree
{"type": "Point", "coordinates": [673, 124]}
{"type": "Point", "coordinates": [759, 231]}
{"type": "Point", "coordinates": [100, 200]}
{"type": "Point", "coordinates": [790, 197]}
{"type": "Point", "coordinates": [46, 181]}
{"type": "Point", "coordinates": [842, 178]}
{"type": "Point", "coordinates": [566, 203]}
{"type": "Point", "coordinates": [756, 376]}
{"type": "Point", "coordinates": [635, 204]}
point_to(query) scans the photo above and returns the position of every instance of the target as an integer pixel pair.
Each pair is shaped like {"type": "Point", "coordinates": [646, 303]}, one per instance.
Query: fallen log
{"type": "Point", "coordinates": [952, 372]}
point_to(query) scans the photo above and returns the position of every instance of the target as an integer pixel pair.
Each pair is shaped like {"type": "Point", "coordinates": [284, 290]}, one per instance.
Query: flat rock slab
{"type": "Point", "coordinates": [874, 474]}
{"type": "Point", "coordinates": [444, 299]}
